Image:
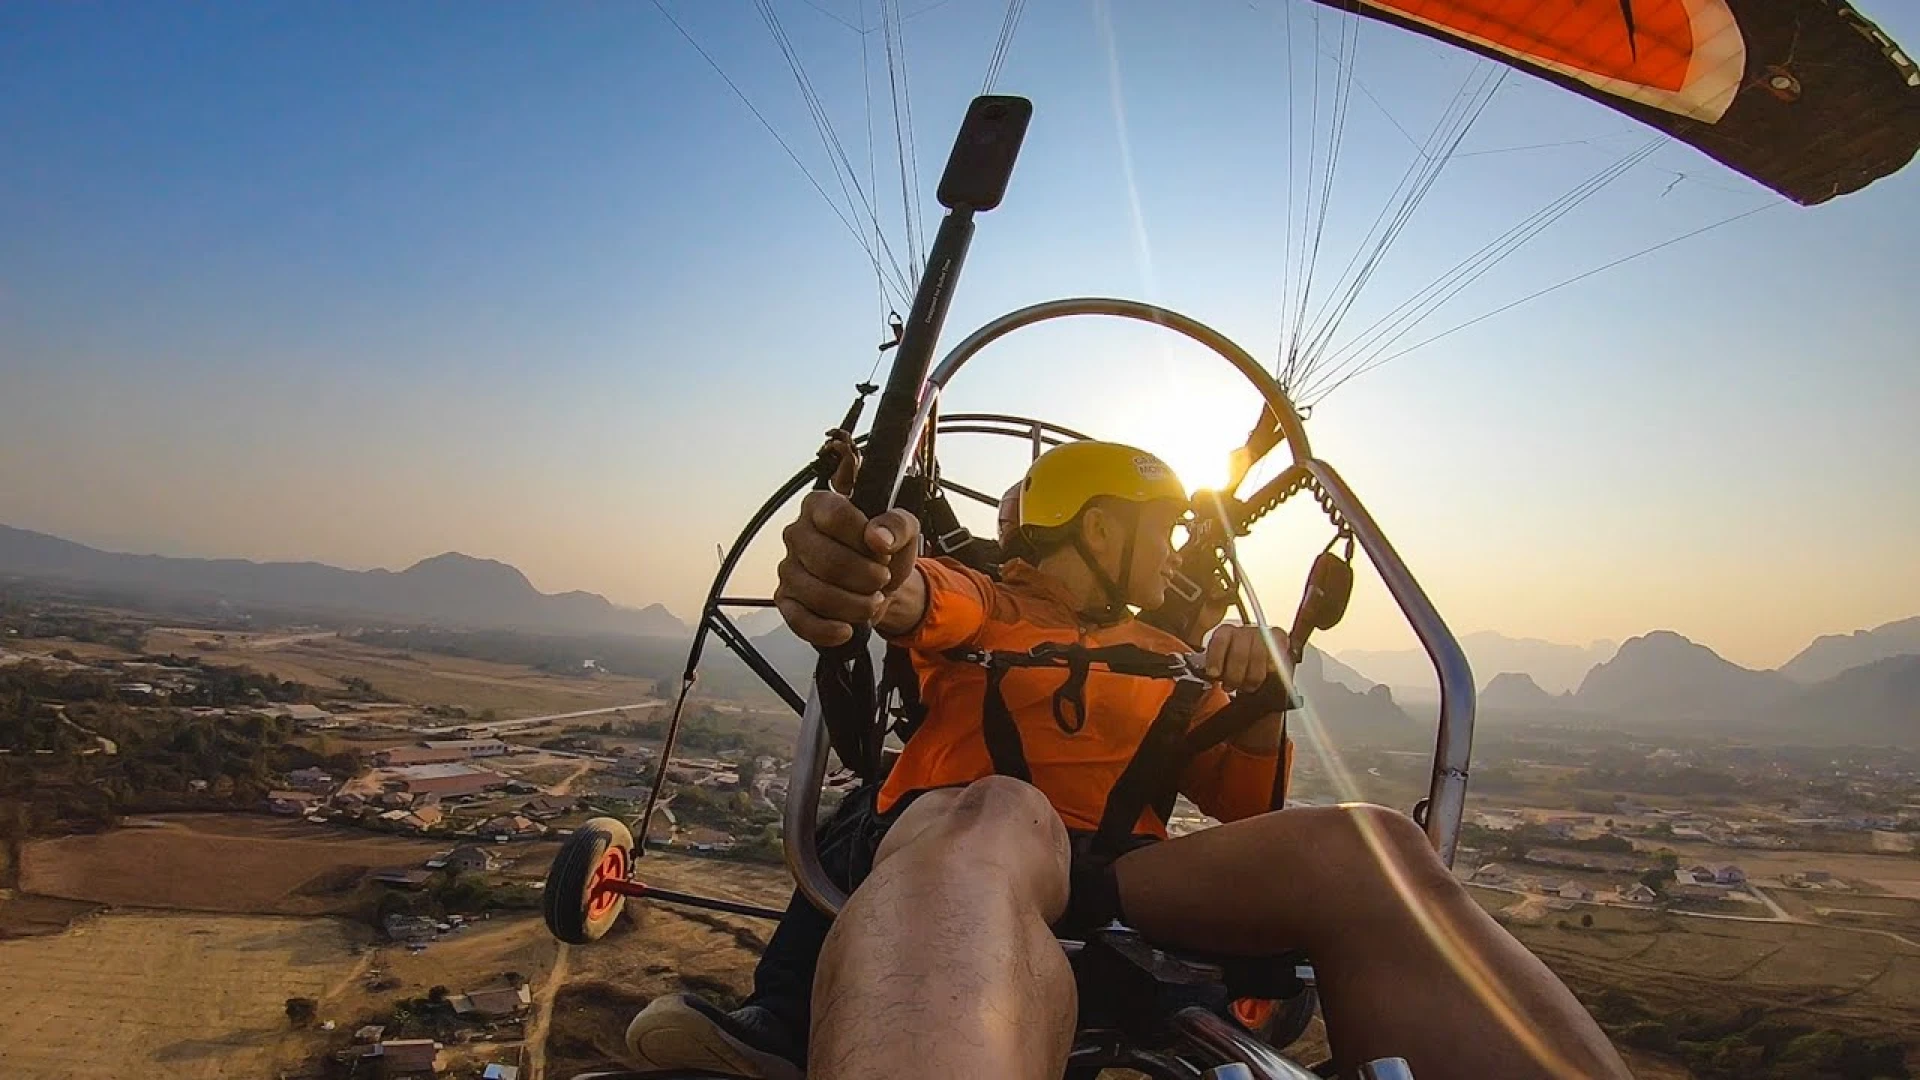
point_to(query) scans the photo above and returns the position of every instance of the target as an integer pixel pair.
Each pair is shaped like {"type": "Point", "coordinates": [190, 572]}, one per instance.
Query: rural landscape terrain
{"type": "Point", "coordinates": [256, 826]}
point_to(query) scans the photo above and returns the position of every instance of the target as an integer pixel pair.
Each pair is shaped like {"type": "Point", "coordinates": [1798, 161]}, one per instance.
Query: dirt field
{"type": "Point", "coordinates": [212, 862]}
{"type": "Point", "coordinates": [1815, 974]}
{"type": "Point", "coordinates": [188, 997]}
{"type": "Point", "coordinates": [26, 916]}
{"type": "Point", "coordinates": [323, 660]}
{"type": "Point", "coordinates": [85, 650]}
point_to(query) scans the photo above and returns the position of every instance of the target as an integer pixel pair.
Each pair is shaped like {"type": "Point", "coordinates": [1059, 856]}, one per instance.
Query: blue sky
{"type": "Point", "coordinates": [365, 282]}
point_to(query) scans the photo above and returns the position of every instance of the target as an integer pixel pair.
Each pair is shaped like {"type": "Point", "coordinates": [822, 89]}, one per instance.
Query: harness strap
{"type": "Point", "coordinates": [897, 676]}
{"type": "Point", "coordinates": [1138, 786]}
{"type": "Point", "coordinates": [851, 711]}
{"type": "Point", "coordinates": [1004, 747]}
{"type": "Point", "coordinates": [1151, 778]}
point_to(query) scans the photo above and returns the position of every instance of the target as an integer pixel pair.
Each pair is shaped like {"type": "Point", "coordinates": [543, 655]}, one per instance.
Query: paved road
{"type": "Point", "coordinates": [498, 726]}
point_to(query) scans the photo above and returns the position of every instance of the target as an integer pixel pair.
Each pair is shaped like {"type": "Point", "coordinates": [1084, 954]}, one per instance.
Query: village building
{"type": "Point", "coordinates": [510, 825]}
{"type": "Point", "coordinates": [547, 806]}
{"type": "Point", "coordinates": [404, 877]}
{"type": "Point", "coordinates": [310, 779]}
{"type": "Point", "coordinates": [447, 780]}
{"type": "Point", "coordinates": [1638, 893]}
{"type": "Point", "coordinates": [469, 859]}
{"type": "Point", "coordinates": [405, 1057]}
{"type": "Point", "coordinates": [470, 748]}
{"type": "Point", "coordinates": [291, 802]}
{"type": "Point", "coordinates": [499, 1003]}
{"type": "Point", "coordinates": [397, 756]}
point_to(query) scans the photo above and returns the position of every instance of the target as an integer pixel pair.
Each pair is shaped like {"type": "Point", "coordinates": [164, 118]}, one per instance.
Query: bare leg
{"type": "Point", "coordinates": [942, 963]}
{"type": "Point", "coordinates": [1408, 965]}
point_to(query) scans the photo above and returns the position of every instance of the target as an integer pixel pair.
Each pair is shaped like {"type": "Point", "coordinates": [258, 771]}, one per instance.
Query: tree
{"type": "Point", "coordinates": [437, 994]}
{"type": "Point", "coordinates": [1657, 879]}
{"type": "Point", "coordinates": [301, 1010]}
{"type": "Point", "coordinates": [1586, 922]}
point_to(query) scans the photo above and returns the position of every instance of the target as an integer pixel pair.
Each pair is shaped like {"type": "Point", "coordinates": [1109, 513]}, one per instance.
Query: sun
{"type": "Point", "coordinates": [1198, 452]}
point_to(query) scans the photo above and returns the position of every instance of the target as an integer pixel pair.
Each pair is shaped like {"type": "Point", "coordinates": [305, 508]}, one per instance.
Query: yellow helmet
{"type": "Point", "coordinates": [1061, 482]}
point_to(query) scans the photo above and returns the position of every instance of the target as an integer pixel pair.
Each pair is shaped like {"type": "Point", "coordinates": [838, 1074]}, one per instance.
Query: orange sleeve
{"type": "Point", "coordinates": [1228, 783]}
{"type": "Point", "coordinates": [958, 600]}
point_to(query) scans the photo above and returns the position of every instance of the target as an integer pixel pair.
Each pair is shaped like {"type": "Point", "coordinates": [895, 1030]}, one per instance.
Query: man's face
{"type": "Point", "coordinates": [1153, 554]}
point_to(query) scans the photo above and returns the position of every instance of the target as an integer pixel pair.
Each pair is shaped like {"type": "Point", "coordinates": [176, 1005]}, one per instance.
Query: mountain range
{"type": "Point", "coordinates": [1555, 667]}
{"type": "Point", "coordinates": [450, 589]}
{"type": "Point", "coordinates": [1835, 653]}
{"type": "Point", "coordinates": [1860, 687]}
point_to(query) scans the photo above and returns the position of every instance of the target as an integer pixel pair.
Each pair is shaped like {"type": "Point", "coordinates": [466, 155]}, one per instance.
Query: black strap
{"type": "Point", "coordinates": [942, 529]}
{"type": "Point", "coordinates": [1009, 754]}
{"type": "Point", "coordinates": [1172, 741]}
{"type": "Point", "coordinates": [1140, 782]}
{"type": "Point", "coordinates": [898, 678]}
{"type": "Point", "coordinates": [850, 709]}
{"type": "Point", "coordinates": [1152, 778]}
{"type": "Point", "coordinates": [1072, 697]}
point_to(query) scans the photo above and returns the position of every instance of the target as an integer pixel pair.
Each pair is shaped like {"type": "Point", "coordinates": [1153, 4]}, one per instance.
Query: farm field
{"type": "Point", "coordinates": [420, 678]}
{"type": "Point", "coordinates": [1819, 975]}
{"type": "Point", "coordinates": [191, 997]}
{"type": "Point", "coordinates": [1898, 875]}
{"type": "Point", "coordinates": [213, 862]}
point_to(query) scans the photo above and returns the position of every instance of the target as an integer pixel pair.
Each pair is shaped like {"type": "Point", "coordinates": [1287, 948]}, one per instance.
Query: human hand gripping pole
{"type": "Point", "coordinates": [847, 556]}
{"type": "Point", "coordinates": [975, 180]}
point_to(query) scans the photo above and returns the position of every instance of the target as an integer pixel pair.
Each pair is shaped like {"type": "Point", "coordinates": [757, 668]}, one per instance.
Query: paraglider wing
{"type": "Point", "coordinates": [1805, 96]}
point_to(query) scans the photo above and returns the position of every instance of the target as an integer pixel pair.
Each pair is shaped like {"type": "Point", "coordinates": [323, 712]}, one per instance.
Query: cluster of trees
{"type": "Point", "coordinates": [73, 625]}
{"type": "Point", "coordinates": [1514, 843]}
{"type": "Point", "coordinates": [1749, 1044]}
{"type": "Point", "coordinates": [159, 753]}
{"type": "Point", "coordinates": [704, 730]}
{"type": "Point", "coordinates": [451, 893]}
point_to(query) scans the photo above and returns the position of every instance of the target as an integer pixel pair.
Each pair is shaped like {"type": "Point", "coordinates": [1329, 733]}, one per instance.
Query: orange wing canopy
{"type": "Point", "coordinates": [1805, 96]}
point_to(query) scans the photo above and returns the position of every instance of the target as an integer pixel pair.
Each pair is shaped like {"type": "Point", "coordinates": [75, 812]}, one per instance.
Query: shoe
{"type": "Point", "coordinates": [683, 1032]}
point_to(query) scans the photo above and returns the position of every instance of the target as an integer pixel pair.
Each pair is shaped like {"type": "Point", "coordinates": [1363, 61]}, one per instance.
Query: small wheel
{"type": "Point", "coordinates": [577, 907]}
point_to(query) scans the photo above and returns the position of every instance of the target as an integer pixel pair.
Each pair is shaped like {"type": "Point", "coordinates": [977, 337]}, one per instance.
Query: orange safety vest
{"type": "Point", "coordinates": [1075, 755]}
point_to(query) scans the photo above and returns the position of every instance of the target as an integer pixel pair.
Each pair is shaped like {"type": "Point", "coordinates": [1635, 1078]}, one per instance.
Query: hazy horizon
{"type": "Point", "coordinates": [534, 286]}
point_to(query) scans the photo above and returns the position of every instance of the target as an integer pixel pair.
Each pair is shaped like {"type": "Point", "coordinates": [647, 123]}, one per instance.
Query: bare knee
{"type": "Point", "coordinates": [1373, 842]}
{"type": "Point", "coordinates": [996, 823]}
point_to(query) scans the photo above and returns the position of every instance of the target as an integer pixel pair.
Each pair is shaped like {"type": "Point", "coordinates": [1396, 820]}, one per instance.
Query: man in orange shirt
{"type": "Point", "coordinates": [944, 960]}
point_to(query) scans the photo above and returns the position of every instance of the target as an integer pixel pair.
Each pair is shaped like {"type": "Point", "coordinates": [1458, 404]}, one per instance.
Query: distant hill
{"type": "Point", "coordinates": [754, 622]}
{"type": "Point", "coordinates": [1875, 704]}
{"type": "Point", "coordinates": [1334, 671]}
{"type": "Point", "coordinates": [1555, 667]}
{"type": "Point", "coordinates": [1832, 654]}
{"type": "Point", "coordinates": [1664, 676]}
{"type": "Point", "coordinates": [450, 589]}
{"type": "Point", "coordinates": [1514, 691]}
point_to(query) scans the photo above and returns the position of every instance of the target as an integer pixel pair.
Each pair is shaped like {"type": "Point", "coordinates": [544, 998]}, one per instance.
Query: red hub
{"type": "Point", "coordinates": [1253, 1012]}
{"type": "Point", "coordinates": [603, 885]}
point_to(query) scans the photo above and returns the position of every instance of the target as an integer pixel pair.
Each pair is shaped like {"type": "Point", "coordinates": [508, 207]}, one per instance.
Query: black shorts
{"type": "Point", "coordinates": [851, 838]}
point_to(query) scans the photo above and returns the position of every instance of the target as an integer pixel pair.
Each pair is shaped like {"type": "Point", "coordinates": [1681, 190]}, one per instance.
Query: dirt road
{"type": "Point", "coordinates": [542, 1022]}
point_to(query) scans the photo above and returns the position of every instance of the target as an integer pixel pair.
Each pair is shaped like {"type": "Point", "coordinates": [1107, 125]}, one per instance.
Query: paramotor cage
{"type": "Point", "coordinates": [1439, 813]}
